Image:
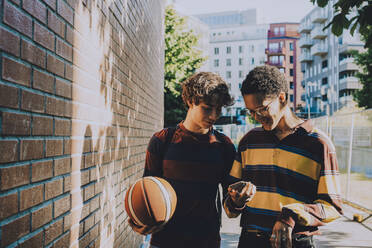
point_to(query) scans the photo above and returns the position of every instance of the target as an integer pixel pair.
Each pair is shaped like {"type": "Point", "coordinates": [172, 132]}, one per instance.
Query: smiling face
{"type": "Point", "coordinates": [267, 111]}
{"type": "Point", "coordinates": [203, 116]}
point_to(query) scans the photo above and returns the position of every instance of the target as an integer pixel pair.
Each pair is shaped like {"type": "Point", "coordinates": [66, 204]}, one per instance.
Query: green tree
{"type": "Point", "coordinates": [360, 20]}
{"type": "Point", "coordinates": [181, 60]}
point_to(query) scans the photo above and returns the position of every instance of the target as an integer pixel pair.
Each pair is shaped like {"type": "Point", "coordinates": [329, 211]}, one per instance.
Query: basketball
{"type": "Point", "coordinates": [150, 201]}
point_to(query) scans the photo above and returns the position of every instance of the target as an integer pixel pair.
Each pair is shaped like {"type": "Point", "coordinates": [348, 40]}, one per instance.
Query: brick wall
{"type": "Point", "coordinates": [81, 93]}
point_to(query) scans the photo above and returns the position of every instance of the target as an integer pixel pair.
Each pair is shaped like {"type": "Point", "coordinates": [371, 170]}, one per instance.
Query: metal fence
{"type": "Point", "coordinates": [351, 135]}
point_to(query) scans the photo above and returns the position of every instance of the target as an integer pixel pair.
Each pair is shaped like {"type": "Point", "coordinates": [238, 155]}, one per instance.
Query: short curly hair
{"type": "Point", "coordinates": [208, 88]}
{"type": "Point", "coordinates": [265, 80]}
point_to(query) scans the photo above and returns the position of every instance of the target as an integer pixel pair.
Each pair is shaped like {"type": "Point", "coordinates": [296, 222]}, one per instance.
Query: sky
{"type": "Point", "coordinates": [268, 11]}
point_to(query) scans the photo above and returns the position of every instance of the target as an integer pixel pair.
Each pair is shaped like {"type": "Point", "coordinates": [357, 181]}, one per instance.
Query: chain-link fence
{"type": "Point", "coordinates": [351, 135]}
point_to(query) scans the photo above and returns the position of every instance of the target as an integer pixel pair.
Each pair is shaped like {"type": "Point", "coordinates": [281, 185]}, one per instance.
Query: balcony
{"type": "Point", "coordinates": [276, 63]}
{"type": "Point", "coordinates": [324, 90]}
{"type": "Point", "coordinates": [303, 97]}
{"type": "Point", "coordinates": [349, 83]}
{"type": "Point", "coordinates": [319, 49]}
{"type": "Point", "coordinates": [305, 27]}
{"type": "Point", "coordinates": [306, 58]}
{"type": "Point", "coordinates": [305, 42]}
{"type": "Point", "coordinates": [348, 64]}
{"type": "Point", "coordinates": [320, 16]}
{"type": "Point", "coordinates": [275, 51]}
{"type": "Point", "coordinates": [318, 33]}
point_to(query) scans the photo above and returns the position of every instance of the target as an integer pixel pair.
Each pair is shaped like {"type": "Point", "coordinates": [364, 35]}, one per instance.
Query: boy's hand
{"type": "Point", "coordinates": [281, 235]}
{"type": "Point", "coordinates": [144, 230]}
{"type": "Point", "coordinates": [241, 192]}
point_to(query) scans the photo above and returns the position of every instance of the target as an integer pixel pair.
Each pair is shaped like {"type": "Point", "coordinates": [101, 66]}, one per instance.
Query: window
{"type": "Point", "coordinates": [228, 62]}
{"type": "Point", "coordinates": [228, 74]}
{"type": "Point", "coordinates": [324, 81]}
{"type": "Point", "coordinates": [240, 85]}
{"type": "Point", "coordinates": [291, 86]}
{"type": "Point", "coordinates": [282, 70]}
{"type": "Point", "coordinates": [282, 30]}
{"type": "Point", "coordinates": [252, 61]}
{"type": "Point", "coordinates": [291, 97]}
{"type": "Point", "coordinates": [291, 72]}
{"type": "Point", "coordinates": [240, 49]}
{"type": "Point", "coordinates": [252, 48]}
{"type": "Point", "coordinates": [276, 30]}
{"type": "Point", "coordinates": [324, 64]}
{"type": "Point", "coordinates": [240, 61]}
{"type": "Point", "coordinates": [240, 74]}
{"type": "Point", "coordinates": [216, 63]}
{"type": "Point", "coordinates": [228, 49]}
{"type": "Point", "coordinates": [291, 59]}
{"type": "Point", "coordinates": [216, 50]}
{"type": "Point", "coordinates": [291, 46]}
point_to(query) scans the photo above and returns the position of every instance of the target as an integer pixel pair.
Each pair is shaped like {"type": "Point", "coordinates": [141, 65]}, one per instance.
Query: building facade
{"type": "Point", "coordinates": [328, 67]}
{"type": "Point", "coordinates": [237, 45]}
{"type": "Point", "coordinates": [283, 52]}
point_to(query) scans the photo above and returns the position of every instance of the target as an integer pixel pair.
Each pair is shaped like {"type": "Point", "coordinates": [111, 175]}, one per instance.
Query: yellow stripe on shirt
{"type": "Point", "coordinates": [270, 201]}
{"type": "Point", "coordinates": [329, 184]}
{"type": "Point", "coordinates": [282, 158]}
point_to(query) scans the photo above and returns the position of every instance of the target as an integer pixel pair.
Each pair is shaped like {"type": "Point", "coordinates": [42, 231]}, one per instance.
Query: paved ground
{"type": "Point", "coordinates": [341, 233]}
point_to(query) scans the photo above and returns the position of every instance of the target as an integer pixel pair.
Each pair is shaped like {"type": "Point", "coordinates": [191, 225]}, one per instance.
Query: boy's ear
{"type": "Point", "coordinates": [189, 103]}
{"type": "Point", "coordinates": [282, 97]}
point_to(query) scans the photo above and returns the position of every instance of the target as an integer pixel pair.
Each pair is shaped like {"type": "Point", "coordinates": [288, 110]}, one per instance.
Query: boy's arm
{"type": "Point", "coordinates": [154, 156]}
{"type": "Point", "coordinates": [327, 207]}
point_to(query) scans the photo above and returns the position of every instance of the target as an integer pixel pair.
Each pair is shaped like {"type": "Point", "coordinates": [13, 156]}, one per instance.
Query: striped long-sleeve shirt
{"type": "Point", "coordinates": [296, 178]}
{"type": "Point", "coordinates": [194, 164]}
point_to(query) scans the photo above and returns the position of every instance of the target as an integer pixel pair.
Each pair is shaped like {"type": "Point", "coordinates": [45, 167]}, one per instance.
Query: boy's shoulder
{"type": "Point", "coordinates": [222, 137]}
{"type": "Point", "coordinates": [251, 136]}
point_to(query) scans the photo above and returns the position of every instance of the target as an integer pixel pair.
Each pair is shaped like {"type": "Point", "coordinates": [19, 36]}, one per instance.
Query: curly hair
{"type": "Point", "coordinates": [208, 88]}
{"type": "Point", "coordinates": [265, 80]}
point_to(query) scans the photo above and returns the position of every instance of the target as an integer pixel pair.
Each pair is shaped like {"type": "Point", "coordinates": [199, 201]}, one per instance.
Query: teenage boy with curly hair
{"type": "Point", "coordinates": [292, 164]}
{"type": "Point", "coordinates": [194, 158]}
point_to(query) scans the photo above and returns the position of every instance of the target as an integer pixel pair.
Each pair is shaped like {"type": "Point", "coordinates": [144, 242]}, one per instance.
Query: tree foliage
{"type": "Point", "coordinates": [361, 21]}
{"type": "Point", "coordinates": [181, 60]}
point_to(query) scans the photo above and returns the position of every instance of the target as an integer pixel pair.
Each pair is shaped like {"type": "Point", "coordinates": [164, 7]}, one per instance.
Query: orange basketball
{"type": "Point", "coordinates": [150, 201]}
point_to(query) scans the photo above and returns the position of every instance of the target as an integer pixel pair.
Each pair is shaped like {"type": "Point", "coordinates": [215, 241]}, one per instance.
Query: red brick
{"type": "Point", "coordinates": [43, 37]}
{"type": "Point", "coordinates": [53, 231]}
{"type": "Point", "coordinates": [15, 230]}
{"type": "Point", "coordinates": [36, 9]}
{"type": "Point", "coordinates": [54, 148]}
{"type": "Point", "coordinates": [43, 81]}
{"type": "Point", "coordinates": [63, 88]}
{"type": "Point", "coordinates": [67, 146]}
{"type": "Point", "coordinates": [32, 102]}
{"type": "Point", "coordinates": [8, 205]}
{"type": "Point", "coordinates": [16, 124]}
{"type": "Point", "coordinates": [84, 178]}
{"type": "Point", "coordinates": [64, 50]}
{"type": "Point", "coordinates": [9, 42]}
{"type": "Point", "coordinates": [51, 3]}
{"type": "Point", "coordinates": [31, 197]}
{"type": "Point", "coordinates": [42, 170]}
{"type": "Point", "coordinates": [41, 217]}
{"type": "Point", "coordinates": [53, 189]}
{"type": "Point", "coordinates": [61, 206]}
{"type": "Point", "coordinates": [35, 241]}
{"type": "Point", "coordinates": [8, 151]}
{"type": "Point", "coordinates": [88, 192]}
{"type": "Point", "coordinates": [68, 109]}
{"type": "Point", "coordinates": [32, 149]}
{"type": "Point", "coordinates": [55, 65]}
{"type": "Point", "coordinates": [62, 166]}
{"type": "Point", "coordinates": [56, 24]}
{"type": "Point", "coordinates": [55, 106]}
{"type": "Point", "coordinates": [16, 72]}
{"type": "Point", "coordinates": [69, 72]}
{"type": "Point", "coordinates": [18, 20]}
{"type": "Point", "coordinates": [64, 241]}
{"type": "Point", "coordinates": [8, 96]}
{"type": "Point", "coordinates": [69, 34]}
{"type": "Point", "coordinates": [42, 125]}
{"type": "Point", "coordinates": [33, 54]}
{"type": "Point", "coordinates": [12, 177]}
{"type": "Point", "coordinates": [67, 222]}
{"type": "Point", "coordinates": [67, 184]}
{"type": "Point", "coordinates": [18, 2]}
{"type": "Point", "coordinates": [65, 11]}
{"type": "Point", "coordinates": [62, 127]}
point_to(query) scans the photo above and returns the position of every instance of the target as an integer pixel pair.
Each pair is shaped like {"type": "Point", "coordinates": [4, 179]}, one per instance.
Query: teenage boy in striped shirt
{"type": "Point", "coordinates": [292, 164]}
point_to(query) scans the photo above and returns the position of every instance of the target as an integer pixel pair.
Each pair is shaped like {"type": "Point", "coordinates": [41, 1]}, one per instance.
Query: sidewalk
{"type": "Point", "coordinates": [341, 233]}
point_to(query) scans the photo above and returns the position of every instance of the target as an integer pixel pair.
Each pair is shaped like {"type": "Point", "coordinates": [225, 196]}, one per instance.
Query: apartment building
{"type": "Point", "coordinates": [236, 45]}
{"type": "Point", "coordinates": [328, 67]}
{"type": "Point", "coordinates": [283, 52]}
